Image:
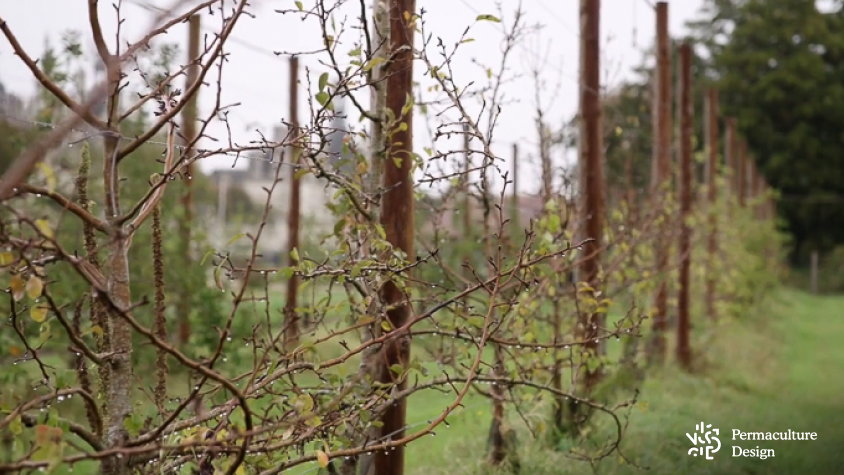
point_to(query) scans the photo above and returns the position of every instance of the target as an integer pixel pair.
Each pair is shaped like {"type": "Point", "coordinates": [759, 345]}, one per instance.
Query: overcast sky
{"type": "Point", "coordinates": [258, 79]}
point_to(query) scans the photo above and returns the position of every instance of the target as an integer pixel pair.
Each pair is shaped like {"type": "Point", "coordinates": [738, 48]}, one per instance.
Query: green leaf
{"type": "Point", "coordinates": [286, 272]}
{"type": "Point", "coordinates": [491, 18]}
{"type": "Point", "coordinates": [134, 423]}
{"type": "Point", "coordinates": [235, 238]}
{"type": "Point", "coordinates": [373, 62]}
{"type": "Point", "coordinates": [323, 81]}
{"type": "Point", "coordinates": [313, 421]}
{"type": "Point", "coordinates": [299, 5]}
{"type": "Point", "coordinates": [476, 321]}
{"type": "Point", "coordinates": [208, 253]}
{"type": "Point", "coordinates": [380, 230]}
{"type": "Point", "coordinates": [16, 426]}
{"type": "Point", "coordinates": [356, 270]}
{"type": "Point", "coordinates": [322, 97]}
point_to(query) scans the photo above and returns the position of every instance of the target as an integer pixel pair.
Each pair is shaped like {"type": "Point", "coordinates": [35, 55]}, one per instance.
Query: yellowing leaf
{"type": "Point", "coordinates": [322, 458]}
{"type": "Point", "coordinates": [38, 312]}
{"type": "Point", "coordinates": [49, 175]}
{"type": "Point", "coordinates": [44, 228]}
{"type": "Point", "coordinates": [303, 403]}
{"type": "Point", "coordinates": [17, 286]}
{"type": "Point", "coordinates": [46, 435]}
{"type": "Point", "coordinates": [6, 258]}
{"type": "Point", "coordinates": [34, 287]}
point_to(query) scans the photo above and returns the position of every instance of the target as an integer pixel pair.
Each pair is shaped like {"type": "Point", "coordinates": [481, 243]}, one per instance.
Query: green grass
{"type": "Point", "coordinates": [780, 368]}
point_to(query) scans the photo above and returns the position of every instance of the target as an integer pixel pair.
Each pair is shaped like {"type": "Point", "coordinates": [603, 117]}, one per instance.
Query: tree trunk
{"type": "Point", "coordinates": [118, 391]}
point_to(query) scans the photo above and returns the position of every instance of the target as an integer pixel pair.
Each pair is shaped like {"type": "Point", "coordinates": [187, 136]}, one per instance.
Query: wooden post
{"type": "Point", "coordinates": [515, 215]}
{"type": "Point", "coordinates": [712, 197]}
{"type": "Point", "coordinates": [732, 153]}
{"type": "Point", "coordinates": [466, 183]}
{"type": "Point", "coordinates": [741, 173]}
{"type": "Point", "coordinates": [291, 317]}
{"type": "Point", "coordinates": [814, 272]}
{"type": "Point", "coordinates": [630, 189]}
{"type": "Point", "coordinates": [661, 175]}
{"type": "Point", "coordinates": [684, 354]}
{"type": "Point", "coordinates": [545, 161]}
{"type": "Point", "coordinates": [398, 221]}
{"type": "Point", "coordinates": [591, 171]}
{"type": "Point", "coordinates": [189, 132]}
{"type": "Point", "coordinates": [753, 187]}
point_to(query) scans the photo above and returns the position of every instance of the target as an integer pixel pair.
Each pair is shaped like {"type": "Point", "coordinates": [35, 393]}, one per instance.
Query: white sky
{"type": "Point", "coordinates": [258, 80]}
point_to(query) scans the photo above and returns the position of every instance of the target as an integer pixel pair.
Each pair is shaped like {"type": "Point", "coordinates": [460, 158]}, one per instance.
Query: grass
{"type": "Point", "coordinates": [778, 369]}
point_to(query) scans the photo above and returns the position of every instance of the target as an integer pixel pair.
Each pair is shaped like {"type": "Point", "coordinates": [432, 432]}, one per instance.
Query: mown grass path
{"type": "Point", "coordinates": [780, 368]}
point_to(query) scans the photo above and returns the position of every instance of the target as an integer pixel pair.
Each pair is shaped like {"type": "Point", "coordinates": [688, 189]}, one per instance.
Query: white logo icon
{"type": "Point", "coordinates": [704, 440]}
